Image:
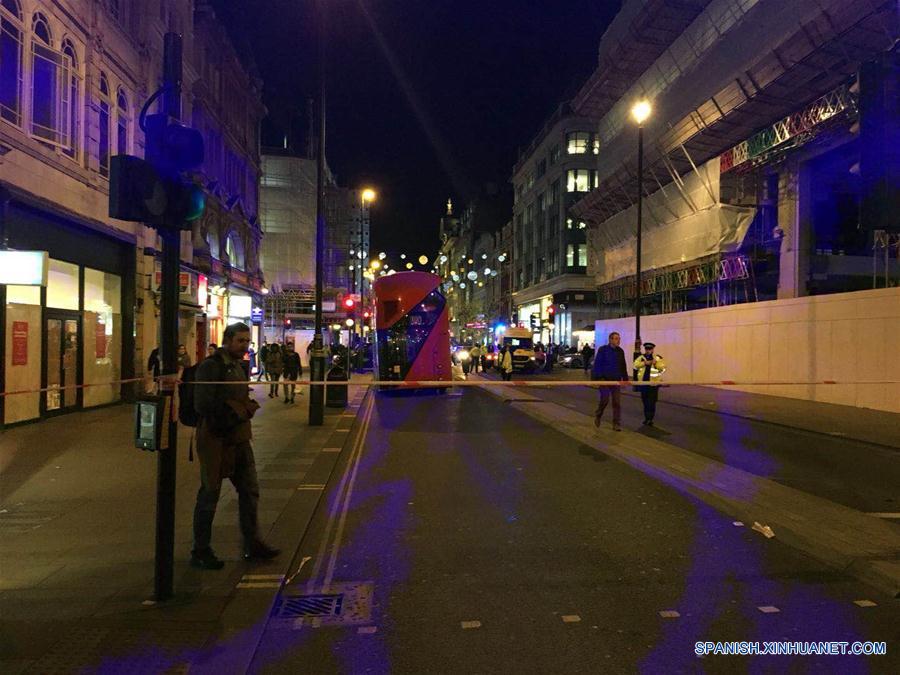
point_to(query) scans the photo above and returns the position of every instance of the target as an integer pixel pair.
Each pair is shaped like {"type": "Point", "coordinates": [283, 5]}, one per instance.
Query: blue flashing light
{"type": "Point", "coordinates": [499, 328]}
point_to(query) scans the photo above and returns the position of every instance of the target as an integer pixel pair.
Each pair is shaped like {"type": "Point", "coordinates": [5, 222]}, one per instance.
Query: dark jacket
{"type": "Point", "coordinates": [293, 367]}
{"type": "Point", "coordinates": [609, 364]}
{"type": "Point", "coordinates": [225, 411]}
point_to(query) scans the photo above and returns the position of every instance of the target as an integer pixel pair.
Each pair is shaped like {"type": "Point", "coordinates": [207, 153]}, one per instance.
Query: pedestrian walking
{"type": "Point", "coordinates": [293, 369]}
{"type": "Point", "coordinates": [649, 367]}
{"type": "Point", "coordinates": [154, 368]}
{"type": "Point", "coordinates": [609, 366]}
{"type": "Point", "coordinates": [274, 368]}
{"type": "Point", "coordinates": [506, 364]}
{"type": "Point", "coordinates": [475, 354]}
{"type": "Point", "coordinates": [587, 353]}
{"type": "Point", "coordinates": [223, 446]}
{"type": "Point", "coordinates": [184, 359]}
{"type": "Point", "coordinates": [251, 354]}
{"type": "Point", "coordinates": [262, 361]}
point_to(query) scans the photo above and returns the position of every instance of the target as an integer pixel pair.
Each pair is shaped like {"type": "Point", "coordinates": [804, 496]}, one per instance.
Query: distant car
{"type": "Point", "coordinates": [575, 360]}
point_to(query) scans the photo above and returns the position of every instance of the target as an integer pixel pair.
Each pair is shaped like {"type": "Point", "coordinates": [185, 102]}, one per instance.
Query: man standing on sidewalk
{"type": "Point", "coordinates": [224, 449]}
{"type": "Point", "coordinates": [293, 369]}
{"type": "Point", "coordinates": [609, 365]}
{"type": "Point", "coordinates": [649, 368]}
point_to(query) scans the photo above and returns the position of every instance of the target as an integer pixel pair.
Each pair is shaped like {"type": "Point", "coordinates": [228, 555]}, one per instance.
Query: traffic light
{"type": "Point", "coordinates": [551, 314]}
{"type": "Point", "coordinates": [349, 304]}
{"type": "Point", "coordinates": [155, 190]}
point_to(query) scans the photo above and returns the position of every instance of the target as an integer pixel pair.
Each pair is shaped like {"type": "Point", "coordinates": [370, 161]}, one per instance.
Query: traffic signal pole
{"type": "Point", "coordinates": [171, 267]}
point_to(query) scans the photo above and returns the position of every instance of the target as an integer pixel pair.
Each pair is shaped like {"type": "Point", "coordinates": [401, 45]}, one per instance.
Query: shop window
{"type": "Point", "coordinates": [62, 285]}
{"type": "Point", "coordinates": [50, 72]}
{"type": "Point", "coordinates": [11, 62]}
{"type": "Point", "coordinates": [102, 321]}
{"type": "Point", "coordinates": [103, 150]}
{"type": "Point", "coordinates": [578, 142]}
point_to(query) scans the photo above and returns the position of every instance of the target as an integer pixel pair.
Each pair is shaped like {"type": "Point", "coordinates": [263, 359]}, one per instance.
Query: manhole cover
{"type": "Point", "coordinates": [308, 605]}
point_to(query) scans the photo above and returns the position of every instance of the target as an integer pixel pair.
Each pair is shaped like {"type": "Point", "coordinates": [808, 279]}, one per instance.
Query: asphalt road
{"type": "Point", "coordinates": [461, 536]}
{"type": "Point", "coordinates": [860, 475]}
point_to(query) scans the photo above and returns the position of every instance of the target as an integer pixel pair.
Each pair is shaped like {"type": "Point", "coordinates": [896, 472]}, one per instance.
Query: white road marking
{"type": "Point", "coordinates": [570, 618]}
{"type": "Point", "coordinates": [335, 506]}
{"type": "Point", "coordinates": [865, 603]}
{"type": "Point", "coordinates": [669, 614]}
{"type": "Point", "coordinates": [882, 514]}
{"type": "Point", "coordinates": [768, 609]}
{"type": "Point", "coordinates": [311, 486]}
{"type": "Point", "coordinates": [470, 624]}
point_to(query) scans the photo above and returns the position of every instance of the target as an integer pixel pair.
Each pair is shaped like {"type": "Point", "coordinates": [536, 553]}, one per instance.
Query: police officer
{"type": "Point", "coordinates": [649, 367]}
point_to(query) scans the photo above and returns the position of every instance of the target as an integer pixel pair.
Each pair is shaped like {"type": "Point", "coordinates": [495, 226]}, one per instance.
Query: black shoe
{"type": "Point", "coordinates": [260, 550]}
{"type": "Point", "coordinates": [286, 401]}
{"type": "Point", "coordinates": [649, 423]}
{"type": "Point", "coordinates": [271, 395]}
{"type": "Point", "coordinates": [206, 560]}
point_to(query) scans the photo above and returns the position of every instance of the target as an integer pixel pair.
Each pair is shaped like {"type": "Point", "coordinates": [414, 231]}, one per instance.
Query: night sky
{"type": "Point", "coordinates": [473, 80]}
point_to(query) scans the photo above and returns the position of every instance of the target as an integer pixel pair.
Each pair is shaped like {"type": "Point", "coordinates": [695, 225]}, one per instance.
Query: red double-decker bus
{"type": "Point", "coordinates": [412, 328]}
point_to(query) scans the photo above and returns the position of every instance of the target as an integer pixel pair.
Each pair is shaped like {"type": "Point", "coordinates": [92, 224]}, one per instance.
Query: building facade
{"type": "Point", "coordinates": [773, 128]}
{"type": "Point", "coordinates": [73, 77]}
{"type": "Point", "coordinates": [550, 258]}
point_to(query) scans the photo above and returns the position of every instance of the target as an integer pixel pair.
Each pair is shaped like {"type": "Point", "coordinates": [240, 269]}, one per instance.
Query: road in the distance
{"type": "Point", "coordinates": [494, 544]}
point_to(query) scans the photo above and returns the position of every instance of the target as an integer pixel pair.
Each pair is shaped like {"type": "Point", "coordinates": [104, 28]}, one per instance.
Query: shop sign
{"type": "Point", "coordinates": [100, 339]}
{"type": "Point", "coordinates": [202, 289]}
{"type": "Point", "coordinates": [184, 281]}
{"type": "Point", "coordinates": [256, 314]}
{"type": "Point", "coordinates": [239, 306]}
{"type": "Point", "coordinates": [20, 343]}
{"type": "Point", "coordinates": [24, 268]}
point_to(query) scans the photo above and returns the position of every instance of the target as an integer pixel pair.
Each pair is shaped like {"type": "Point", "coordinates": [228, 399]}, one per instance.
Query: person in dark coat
{"type": "Point", "coordinates": [223, 446]}
{"type": "Point", "coordinates": [587, 353]}
{"type": "Point", "coordinates": [263, 353]}
{"type": "Point", "coordinates": [293, 369]}
{"type": "Point", "coordinates": [609, 365]}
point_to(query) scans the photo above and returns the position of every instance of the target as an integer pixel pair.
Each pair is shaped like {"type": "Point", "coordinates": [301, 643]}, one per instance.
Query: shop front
{"type": "Point", "coordinates": [69, 343]}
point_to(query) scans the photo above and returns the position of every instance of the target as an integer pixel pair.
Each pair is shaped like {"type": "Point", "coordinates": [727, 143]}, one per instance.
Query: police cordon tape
{"type": "Point", "coordinates": [440, 384]}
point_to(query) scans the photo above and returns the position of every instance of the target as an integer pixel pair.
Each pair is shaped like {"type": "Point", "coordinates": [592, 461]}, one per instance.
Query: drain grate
{"type": "Point", "coordinates": [309, 605]}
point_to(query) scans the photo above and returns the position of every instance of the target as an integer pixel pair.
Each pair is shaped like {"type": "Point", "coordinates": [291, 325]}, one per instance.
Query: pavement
{"type": "Point", "coordinates": [458, 533]}
{"type": "Point", "coordinates": [77, 514]}
{"type": "Point", "coordinates": [462, 535]}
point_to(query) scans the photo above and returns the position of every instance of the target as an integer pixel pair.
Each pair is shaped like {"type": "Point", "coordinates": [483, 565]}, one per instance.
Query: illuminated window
{"type": "Point", "coordinates": [578, 142]}
{"type": "Point", "coordinates": [570, 255]}
{"type": "Point", "coordinates": [595, 145]}
{"type": "Point", "coordinates": [103, 149]}
{"type": "Point", "coordinates": [50, 84]}
{"type": "Point", "coordinates": [579, 180]}
{"type": "Point", "coordinates": [234, 249]}
{"type": "Point", "coordinates": [582, 255]}
{"type": "Point", "coordinates": [10, 62]}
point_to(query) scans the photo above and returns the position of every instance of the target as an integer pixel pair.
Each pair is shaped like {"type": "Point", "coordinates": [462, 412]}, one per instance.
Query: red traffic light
{"type": "Point", "coordinates": [366, 315]}
{"type": "Point", "coordinates": [349, 303]}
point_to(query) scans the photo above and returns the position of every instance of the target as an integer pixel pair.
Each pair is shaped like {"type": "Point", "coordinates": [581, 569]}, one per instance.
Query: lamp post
{"type": "Point", "coordinates": [640, 112]}
{"type": "Point", "coordinates": [317, 360]}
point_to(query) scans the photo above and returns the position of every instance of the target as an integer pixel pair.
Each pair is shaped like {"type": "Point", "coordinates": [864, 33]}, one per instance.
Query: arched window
{"type": "Point", "coordinates": [234, 248]}
{"type": "Point", "coordinates": [50, 71]}
{"type": "Point", "coordinates": [11, 61]}
{"type": "Point", "coordinates": [104, 119]}
{"type": "Point", "coordinates": [121, 122]}
{"type": "Point", "coordinates": [74, 89]}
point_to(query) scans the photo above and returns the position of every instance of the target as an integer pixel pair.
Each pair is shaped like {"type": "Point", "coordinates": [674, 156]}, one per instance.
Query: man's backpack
{"type": "Point", "coordinates": [187, 414]}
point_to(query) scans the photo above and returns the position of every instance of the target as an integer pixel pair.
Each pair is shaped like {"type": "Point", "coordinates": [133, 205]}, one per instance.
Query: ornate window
{"type": "Point", "coordinates": [234, 249]}
{"type": "Point", "coordinates": [74, 89]}
{"type": "Point", "coordinates": [103, 150]}
{"type": "Point", "coordinates": [50, 72]}
{"type": "Point", "coordinates": [121, 122]}
{"type": "Point", "coordinates": [11, 61]}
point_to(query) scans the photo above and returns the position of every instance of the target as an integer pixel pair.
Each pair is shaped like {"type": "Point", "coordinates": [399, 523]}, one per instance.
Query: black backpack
{"type": "Point", "coordinates": [187, 414]}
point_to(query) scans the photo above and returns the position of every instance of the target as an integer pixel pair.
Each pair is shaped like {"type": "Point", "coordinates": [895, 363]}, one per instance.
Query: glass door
{"type": "Point", "coordinates": [61, 359]}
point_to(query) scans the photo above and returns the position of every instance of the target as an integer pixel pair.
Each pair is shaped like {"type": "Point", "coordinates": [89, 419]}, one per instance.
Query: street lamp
{"type": "Point", "coordinates": [640, 112]}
